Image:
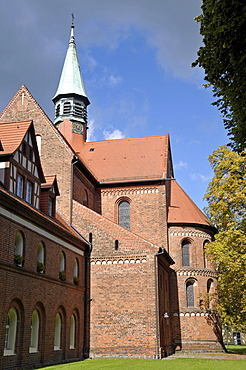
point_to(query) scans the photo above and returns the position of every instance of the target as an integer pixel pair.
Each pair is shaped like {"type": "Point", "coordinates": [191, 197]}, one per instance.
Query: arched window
{"type": "Point", "coordinates": [72, 332]}
{"type": "Point", "coordinates": [34, 332]}
{"type": "Point", "coordinates": [185, 254]}
{"type": "Point", "coordinates": [62, 267]}
{"type": "Point", "coordinates": [124, 214]}
{"type": "Point", "coordinates": [190, 293]}
{"type": "Point", "coordinates": [10, 332]}
{"type": "Point", "coordinates": [85, 198]}
{"type": "Point", "coordinates": [204, 254]}
{"type": "Point", "coordinates": [40, 262]}
{"type": "Point", "coordinates": [76, 272]}
{"type": "Point", "coordinates": [67, 107]}
{"type": "Point", "coordinates": [19, 249]}
{"type": "Point", "coordinates": [57, 339]}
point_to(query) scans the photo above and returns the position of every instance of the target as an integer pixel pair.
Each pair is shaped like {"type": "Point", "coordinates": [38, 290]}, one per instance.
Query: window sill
{"type": "Point", "coordinates": [8, 352]}
{"type": "Point", "coordinates": [33, 350]}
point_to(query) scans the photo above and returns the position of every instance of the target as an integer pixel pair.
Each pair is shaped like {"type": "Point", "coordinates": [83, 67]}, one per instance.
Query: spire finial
{"type": "Point", "coordinates": [72, 19]}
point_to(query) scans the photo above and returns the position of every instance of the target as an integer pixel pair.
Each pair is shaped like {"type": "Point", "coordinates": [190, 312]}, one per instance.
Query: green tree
{"type": "Point", "coordinates": [226, 196]}
{"type": "Point", "coordinates": [223, 57]}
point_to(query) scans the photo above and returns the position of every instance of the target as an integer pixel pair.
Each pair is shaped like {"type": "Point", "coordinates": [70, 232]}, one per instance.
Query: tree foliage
{"type": "Point", "coordinates": [223, 57]}
{"type": "Point", "coordinates": [226, 196]}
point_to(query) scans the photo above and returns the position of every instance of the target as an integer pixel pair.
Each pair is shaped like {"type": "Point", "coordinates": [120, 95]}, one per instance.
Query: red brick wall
{"type": "Point", "coordinates": [26, 290]}
{"type": "Point", "coordinates": [148, 210]}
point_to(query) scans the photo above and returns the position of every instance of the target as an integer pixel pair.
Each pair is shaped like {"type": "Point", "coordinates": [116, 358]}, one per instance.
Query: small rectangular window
{"type": "Point", "coordinates": [29, 192]}
{"type": "Point", "coordinates": [19, 188]}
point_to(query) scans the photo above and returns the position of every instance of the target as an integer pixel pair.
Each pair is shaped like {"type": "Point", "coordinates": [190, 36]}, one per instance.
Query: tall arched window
{"type": "Point", "coordinates": [34, 332]}
{"type": "Point", "coordinates": [62, 267]}
{"type": "Point", "coordinates": [19, 249]}
{"type": "Point", "coordinates": [185, 254]}
{"type": "Point", "coordinates": [10, 332]}
{"type": "Point", "coordinates": [124, 214]}
{"type": "Point", "coordinates": [72, 332]}
{"type": "Point", "coordinates": [85, 198]}
{"type": "Point", "coordinates": [76, 272]}
{"type": "Point", "coordinates": [190, 293]}
{"type": "Point", "coordinates": [40, 262]}
{"type": "Point", "coordinates": [57, 339]}
{"type": "Point", "coordinates": [204, 254]}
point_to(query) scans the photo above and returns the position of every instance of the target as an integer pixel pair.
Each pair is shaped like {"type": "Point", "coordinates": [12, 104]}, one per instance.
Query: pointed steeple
{"type": "Point", "coordinates": [70, 99]}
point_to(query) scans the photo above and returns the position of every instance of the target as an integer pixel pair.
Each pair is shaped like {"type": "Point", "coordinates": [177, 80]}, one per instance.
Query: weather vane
{"type": "Point", "coordinates": [72, 18]}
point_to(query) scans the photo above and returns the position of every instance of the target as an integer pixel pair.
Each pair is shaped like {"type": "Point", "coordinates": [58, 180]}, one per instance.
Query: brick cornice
{"type": "Point", "coordinates": [195, 272]}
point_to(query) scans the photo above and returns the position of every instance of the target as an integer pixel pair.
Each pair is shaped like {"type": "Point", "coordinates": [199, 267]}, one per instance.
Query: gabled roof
{"type": "Point", "coordinates": [182, 209]}
{"type": "Point", "coordinates": [71, 80]}
{"type": "Point", "coordinates": [126, 160]}
{"type": "Point", "coordinates": [51, 181]}
{"type": "Point", "coordinates": [12, 134]}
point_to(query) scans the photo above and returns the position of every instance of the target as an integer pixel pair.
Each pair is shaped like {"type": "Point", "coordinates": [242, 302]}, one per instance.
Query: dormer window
{"type": "Point", "coordinates": [51, 206]}
{"type": "Point", "coordinates": [67, 107]}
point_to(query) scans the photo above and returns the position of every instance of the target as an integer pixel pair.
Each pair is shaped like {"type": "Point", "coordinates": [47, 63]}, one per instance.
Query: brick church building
{"type": "Point", "coordinates": [147, 288]}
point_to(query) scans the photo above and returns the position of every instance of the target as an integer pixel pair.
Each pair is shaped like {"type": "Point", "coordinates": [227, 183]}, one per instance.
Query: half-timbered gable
{"type": "Point", "coordinates": [21, 171]}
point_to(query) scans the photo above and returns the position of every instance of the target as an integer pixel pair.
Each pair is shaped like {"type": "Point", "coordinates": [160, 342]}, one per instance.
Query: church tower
{"type": "Point", "coordinates": [70, 99]}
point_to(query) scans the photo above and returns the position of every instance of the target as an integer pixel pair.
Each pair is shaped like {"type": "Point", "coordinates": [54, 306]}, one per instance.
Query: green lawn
{"type": "Point", "coordinates": [175, 364]}
{"type": "Point", "coordinates": [236, 349]}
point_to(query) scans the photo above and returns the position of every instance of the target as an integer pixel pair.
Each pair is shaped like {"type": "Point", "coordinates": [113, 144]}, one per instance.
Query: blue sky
{"type": "Point", "coordinates": [135, 58]}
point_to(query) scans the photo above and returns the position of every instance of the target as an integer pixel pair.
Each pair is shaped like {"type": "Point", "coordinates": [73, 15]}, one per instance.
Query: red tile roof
{"type": "Point", "coordinates": [182, 209]}
{"type": "Point", "coordinates": [12, 134]}
{"type": "Point", "coordinates": [133, 159]}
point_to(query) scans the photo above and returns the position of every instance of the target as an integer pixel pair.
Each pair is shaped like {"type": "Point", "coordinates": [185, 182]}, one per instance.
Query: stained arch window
{"type": "Point", "coordinates": [185, 254]}
{"type": "Point", "coordinates": [19, 249]}
{"type": "Point", "coordinates": [34, 332]}
{"type": "Point", "coordinates": [124, 214]}
{"type": "Point", "coordinates": [72, 332]}
{"type": "Point", "coordinates": [57, 338]}
{"type": "Point", "coordinates": [10, 332]}
{"type": "Point", "coordinates": [190, 293]}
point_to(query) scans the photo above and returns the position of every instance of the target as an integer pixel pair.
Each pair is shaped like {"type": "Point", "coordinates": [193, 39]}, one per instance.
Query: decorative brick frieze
{"type": "Point", "coordinates": [118, 260]}
{"type": "Point", "coordinates": [189, 233]}
{"type": "Point", "coordinates": [129, 191]}
{"type": "Point", "coordinates": [195, 272]}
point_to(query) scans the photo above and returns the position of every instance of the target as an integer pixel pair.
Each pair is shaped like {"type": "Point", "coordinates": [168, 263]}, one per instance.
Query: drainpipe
{"type": "Point", "coordinates": [74, 161]}
{"type": "Point", "coordinates": [87, 299]}
{"type": "Point", "coordinates": [158, 354]}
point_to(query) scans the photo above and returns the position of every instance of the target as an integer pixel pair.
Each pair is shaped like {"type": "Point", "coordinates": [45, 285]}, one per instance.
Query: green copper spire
{"type": "Point", "coordinates": [71, 80]}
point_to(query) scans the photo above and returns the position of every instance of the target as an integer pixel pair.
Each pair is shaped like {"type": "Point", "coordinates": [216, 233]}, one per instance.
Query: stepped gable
{"type": "Point", "coordinates": [124, 160]}
{"type": "Point", "coordinates": [183, 210]}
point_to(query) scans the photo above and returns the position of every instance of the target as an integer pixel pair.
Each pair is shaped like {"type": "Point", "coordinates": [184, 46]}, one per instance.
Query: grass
{"type": "Point", "coordinates": [241, 350]}
{"type": "Point", "coordinates": [175, 364]}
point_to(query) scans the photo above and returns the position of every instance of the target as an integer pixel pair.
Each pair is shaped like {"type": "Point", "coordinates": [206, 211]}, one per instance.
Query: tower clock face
{"type": "Point", "coordinates": [77, 127]}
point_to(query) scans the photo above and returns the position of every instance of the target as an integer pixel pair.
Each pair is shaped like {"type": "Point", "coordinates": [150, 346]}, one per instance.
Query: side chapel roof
{"type": "Point", "coordinates": [182, 209]}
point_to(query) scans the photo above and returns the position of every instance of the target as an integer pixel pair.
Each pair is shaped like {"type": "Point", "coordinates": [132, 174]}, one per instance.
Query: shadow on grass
{"type": "Point", "coordinates": [238, 349]}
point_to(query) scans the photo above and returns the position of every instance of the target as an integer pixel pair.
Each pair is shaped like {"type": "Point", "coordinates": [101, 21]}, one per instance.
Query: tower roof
{"type": "Point", "coordinates": [71, 81]}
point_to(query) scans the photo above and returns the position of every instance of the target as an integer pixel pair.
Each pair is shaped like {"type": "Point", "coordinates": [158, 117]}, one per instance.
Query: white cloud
{"type": "Point", "coordinates": [116, 134]}
{"type": "Point", "coordinates": [91, 131]}
{"type": "Point", "coordinates": [180, 165]}
{"type": "Point", "coordinates": [200, 177]}
{"type": "Point", "coordinates": [114, 80]}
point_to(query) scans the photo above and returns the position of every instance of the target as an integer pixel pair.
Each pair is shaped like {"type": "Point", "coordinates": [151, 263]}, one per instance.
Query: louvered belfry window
{"type": "Point", "coordinates": [124, 214]}
{"type": "Point", "coordinates": [186, 254]}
